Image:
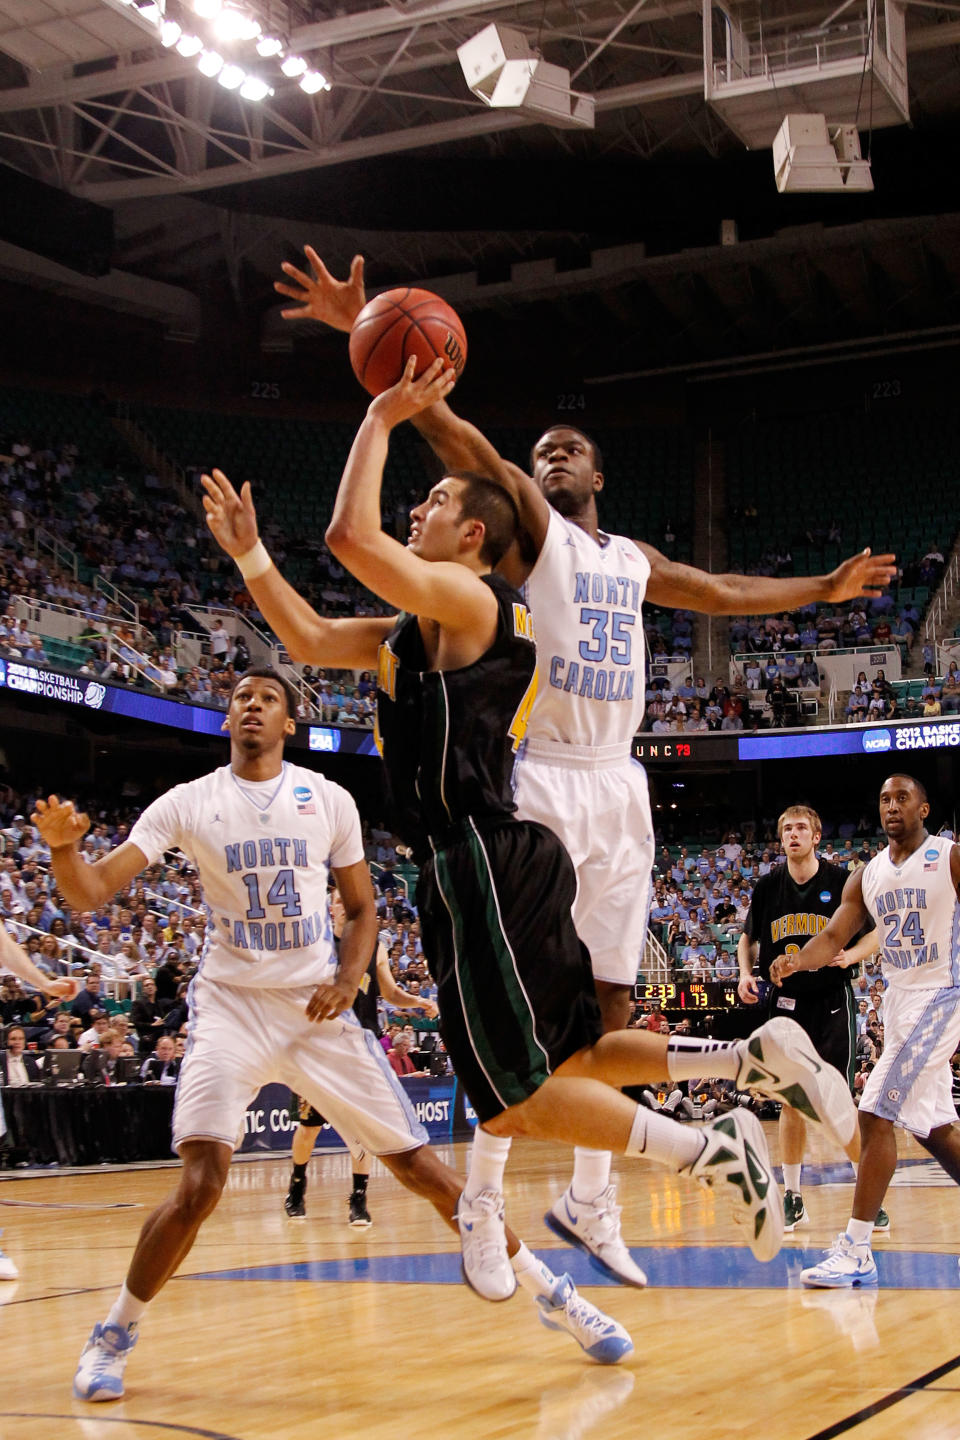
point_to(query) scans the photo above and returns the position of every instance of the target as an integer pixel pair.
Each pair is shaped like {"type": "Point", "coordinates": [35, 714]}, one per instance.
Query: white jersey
{"type": "Point", "coordinates": [916, 912]}
{"type": "Point", "coordinates": [263, 853]}
{"type": "Point", "coordinates": [585, 599]}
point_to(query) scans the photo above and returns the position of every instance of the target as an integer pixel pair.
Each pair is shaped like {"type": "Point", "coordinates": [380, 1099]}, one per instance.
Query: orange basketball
{"type": "Point", "coordinates": [400, 323]}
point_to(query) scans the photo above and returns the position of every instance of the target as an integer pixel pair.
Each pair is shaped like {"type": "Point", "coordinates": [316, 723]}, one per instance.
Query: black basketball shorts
{"type": "Point", "coordinates": [514, 980]}
{"type": "Point", "coordinates": [829, 1020]}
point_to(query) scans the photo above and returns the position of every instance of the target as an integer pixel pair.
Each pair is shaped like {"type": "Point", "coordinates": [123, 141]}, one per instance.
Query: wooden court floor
{"type": "Point", "coordinates": [293, 1329]}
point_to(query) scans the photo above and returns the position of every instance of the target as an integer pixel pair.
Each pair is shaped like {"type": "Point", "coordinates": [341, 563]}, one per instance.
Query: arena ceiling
{"type": "Point", "coordinates": [399, 160]}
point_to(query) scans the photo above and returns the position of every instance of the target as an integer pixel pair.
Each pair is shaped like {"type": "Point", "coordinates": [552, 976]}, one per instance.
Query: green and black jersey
{"type": "Point", "coordinates": [449, 737]}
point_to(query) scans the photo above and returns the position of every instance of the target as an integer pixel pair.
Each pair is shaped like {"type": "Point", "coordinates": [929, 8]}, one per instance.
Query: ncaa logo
{"type": "Point", "coordinates": [931, 854]}
{"type": "Point", "coordinates": [94, 695]}
{"type": "Point", "coordinates": [824, 896]}
{"type": "Point", "coordinates": [302, 794]}
{"type": "Point", "coordinates": [875, 740]}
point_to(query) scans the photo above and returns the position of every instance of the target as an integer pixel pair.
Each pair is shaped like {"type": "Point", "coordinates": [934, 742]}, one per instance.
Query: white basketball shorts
{"type": "Point", "coordinates": [911, 1082]}
{"type": "Point", "coordinates": [597, 802]}
{"type": "Point", "coordinates": [241, 1038]}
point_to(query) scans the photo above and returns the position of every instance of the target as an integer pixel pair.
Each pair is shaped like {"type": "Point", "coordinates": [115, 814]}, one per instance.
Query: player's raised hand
{"type": "Point", "coordinates": [864, 575]}
{"type": "Point", "coordinates": [319, 296]}
{"type": "Point", "coordinates": [231, 518]}
{"type": "Point", "coordinates": [408, 397]}
{"type": "Point", "coordinates": [783, 966]}
{"type": "Point", "coordinates": [63, 989]}
{"type": "Point", "coordinates": [59, 823]}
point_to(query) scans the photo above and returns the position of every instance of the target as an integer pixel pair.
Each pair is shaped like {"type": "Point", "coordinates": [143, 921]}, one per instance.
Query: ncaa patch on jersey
{"type": "Point", "coordinates": [824, 896]}
{"type": "Point", "coordinates": [931, 854]}
{"type": "Point", "coordinates": [304, 798]}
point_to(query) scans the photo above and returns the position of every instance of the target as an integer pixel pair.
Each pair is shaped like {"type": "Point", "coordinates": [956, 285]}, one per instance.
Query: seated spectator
{"type": "Point", "coordinates": [399, 1056]}
{"type": "Point", "coordinates": [100, 1066]}
{"type": "Point", "coordinates": [162, 1067]}
{"type": "Point", "coordinates": [59, 1028]}
{"type": "Point", "coordinates": [17, 1065]}
{"type": "Point", "coordinates": [810, 672]}
{"type": "Point", "coordinates": [88, 999]}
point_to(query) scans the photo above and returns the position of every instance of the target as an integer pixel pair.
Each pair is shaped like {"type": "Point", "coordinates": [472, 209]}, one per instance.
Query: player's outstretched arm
{"type": "Point", "coordinates": [310, 638]}
{"type": "Point", "coordinates": [847, 919]}
{"type": "Point", "coordinates": [83, 885]}
{"type": "Point", "coordinates": [864, 948]}
{"type": "Point", "coordinates": [684, 587]}
{"type": "Point", "coordinates": [13, 958]}
{"type": "Point", "coordinates": [394, 995]}
{"type": "Point", "coordinates": [747, 988]}
{"type": "Point", "coordinates": [444, 591]}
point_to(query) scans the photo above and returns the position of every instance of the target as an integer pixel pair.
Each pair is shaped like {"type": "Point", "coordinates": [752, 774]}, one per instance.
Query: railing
{"type": "Point", "coordinates": [175, 905]}
{"type": "Point", "coordinates": [808, 50]}
{"type": "Point", "coordinates": [126, 606]}
{"type": "Point", "coordinates": [944, 596]}
{"type": "Point", "coordinates": [63, 557]}
{"type": "Point", "coordinates": [656, 963]}
{"type": "Point", "coordinates": [832, 701]}
{"type": "Point", "coordinates": [49, 616]}
{"type": "Point", "coordinates": [67, 966]}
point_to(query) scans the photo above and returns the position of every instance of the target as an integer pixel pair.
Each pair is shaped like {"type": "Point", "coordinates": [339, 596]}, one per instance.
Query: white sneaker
{"type": "Point", "coordinates": [779, 1062]}
{"type": "Point", "coordinates": [8, 1271]}
{"type": "Point", "coordinates": [597, 1335]}
{"type": "Point", "coordinates": [594, 1226]}
{"type": "Point", "coordinates": [736, 1152]}
{"type": "Point", "coordinates": [483, 1245]}
{"type": "Point", "coordinates": [102, 1362]}
{"type": "Point", "coordinates": [846, 1265]}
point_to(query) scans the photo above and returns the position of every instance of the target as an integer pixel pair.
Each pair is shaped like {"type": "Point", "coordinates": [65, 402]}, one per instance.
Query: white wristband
{"type": "Point", "coordinates": [255, 562]}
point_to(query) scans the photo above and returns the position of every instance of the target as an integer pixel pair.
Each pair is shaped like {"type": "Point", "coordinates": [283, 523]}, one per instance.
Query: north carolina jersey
{"type": "Point", "coordinates": [263, 854]}
{"type": "Point", "coordinates": [916, 912]}
{"type": "Point", "coordinates": [585, 600]}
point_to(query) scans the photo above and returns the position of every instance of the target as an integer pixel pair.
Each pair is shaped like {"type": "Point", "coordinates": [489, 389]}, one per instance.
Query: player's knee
{"type": "Point", "coordinates": [199, 1192]}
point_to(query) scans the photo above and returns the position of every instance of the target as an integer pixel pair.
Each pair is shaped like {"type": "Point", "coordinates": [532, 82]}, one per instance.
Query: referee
{"type": "Point", "coordinates": [790, 905]}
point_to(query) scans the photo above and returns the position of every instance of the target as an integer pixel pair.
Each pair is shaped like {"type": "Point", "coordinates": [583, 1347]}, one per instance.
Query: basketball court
{"type": "Point", "coordinates": [280, 1328]}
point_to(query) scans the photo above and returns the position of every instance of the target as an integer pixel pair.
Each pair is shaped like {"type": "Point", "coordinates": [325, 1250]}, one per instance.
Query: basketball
{"type": "Point", "coordinates": [400, 323]}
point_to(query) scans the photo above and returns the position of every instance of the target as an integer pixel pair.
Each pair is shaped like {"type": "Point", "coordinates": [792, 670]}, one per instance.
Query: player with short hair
{"type": "Point", "coordinates": [576, 774]}
{"type": "Point", "coordinates": [270, 1001]}
{"type": "Point", "coordinates": [794, 901]}
{"type": "Point", "coordinates": [376, 981]}
{"type": "Point", "coordinates": [456, 675]}
{"type": "Point", "coordinates": [911, 893]}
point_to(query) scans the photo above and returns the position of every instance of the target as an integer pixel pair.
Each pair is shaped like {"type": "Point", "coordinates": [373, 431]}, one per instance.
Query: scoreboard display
{"type": "Point", "coordinates": [689, 994]}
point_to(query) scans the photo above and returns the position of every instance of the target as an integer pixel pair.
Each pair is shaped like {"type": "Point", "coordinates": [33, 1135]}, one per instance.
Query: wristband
{"type": "Point", "coordinates": [255, 562]}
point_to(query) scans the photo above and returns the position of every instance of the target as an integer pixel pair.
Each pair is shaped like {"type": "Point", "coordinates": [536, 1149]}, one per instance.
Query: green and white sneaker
{"type": "Point", "coordinates": [779, 1062]}
{"type": "Point", "coordinates": [794, 1213]}
{"type": "Point", "coordinates": [736, 1152]}
{"type": "Point", "coordinates": [881, 1226]}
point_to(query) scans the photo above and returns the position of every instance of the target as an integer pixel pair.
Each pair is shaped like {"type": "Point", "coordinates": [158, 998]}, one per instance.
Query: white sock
{"type": "Point", "coordinates": [591, 1173]}
{"type": "Point", "coordinates": [654, 1137]}
{"type": "Point", "coordinates": [860, 1231]}
{"type": "Point", "coordinates": [531, 1272]}
{"type": "Point", "coordinates": [127, 1309]}
{"type": "Point", "coordinates": [791, 1177]}
{"type": "Point", "coordinates": [488, 1159]}
{"type": "Point", "coordinates": [691, 1059]}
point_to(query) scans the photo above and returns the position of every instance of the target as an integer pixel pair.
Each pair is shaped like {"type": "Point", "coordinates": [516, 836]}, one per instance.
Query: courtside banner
{"type": "Point", "coordinates": [87, 693]}
{"type": "Point", "coordinates": [437, 1101]}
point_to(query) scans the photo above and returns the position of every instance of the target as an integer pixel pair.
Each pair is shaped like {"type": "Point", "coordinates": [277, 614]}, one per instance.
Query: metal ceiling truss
{"type": "Point", "coordinates": [148, 124]}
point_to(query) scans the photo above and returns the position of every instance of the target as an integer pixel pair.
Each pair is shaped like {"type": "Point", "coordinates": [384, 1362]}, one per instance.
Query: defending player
{"type": "Point", "coordinates": [792, 902]}
{"type": "Point", "coordinates": [376, 981]}
{"type": "Point", "coordinates": [576, 775]}
{"type": "Point", "coordinates": [270, 1001]}
{"type": "Point", "coordinates": [456, 678]}
{"type": "Point", "coordinates": [910, 892]}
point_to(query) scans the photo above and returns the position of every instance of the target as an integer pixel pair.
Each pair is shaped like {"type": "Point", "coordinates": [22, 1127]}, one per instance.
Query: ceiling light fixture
{"type": "Point", "coordinates": [311, 81]}
{"type": "Point", "coordinates": [293, 65]}
{"type": "Point", "coordinates": [210, 63]}
{"type": "Point", "coordinates": [231, 77]}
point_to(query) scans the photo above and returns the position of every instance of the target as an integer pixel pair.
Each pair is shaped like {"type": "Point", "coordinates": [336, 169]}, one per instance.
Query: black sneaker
{"type": "Point", "coordinates": [360, 1217]}
{"type": "Point", "coordinates": [294, 1203]}
{"type": "Point", "coordinates": [793, 1212]}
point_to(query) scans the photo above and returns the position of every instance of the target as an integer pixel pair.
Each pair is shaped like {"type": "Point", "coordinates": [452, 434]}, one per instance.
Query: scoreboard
{"type": "Point", "coordinates": [689, 994]}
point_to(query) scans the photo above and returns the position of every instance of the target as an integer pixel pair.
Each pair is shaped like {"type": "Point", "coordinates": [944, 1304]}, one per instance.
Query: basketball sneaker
{"type": "Point", "coordinates": [295, 1204]}
{"type": "Point", "coordinates": [483, 1246]}
{"type": "Point", "coordinates": [360, 1217]}
{"type": "Point", "coordinates": [794, 1213]}
{"type": "Point", "coordinates": [846, 1265]}
{"type": "Point", "coordinates": [8, 1271]}
{"type": "Point", "coordinates": [102, 1362]}
{"type": "Point", "coordinates": [881, 1226]}
{"type": "Point", "coordinates": [736, 1152]}
{"type": "Point", "coordinates": [779, 1062]}
{"type": "Point", "coordinates": [594, 1227]}
{"type": "Point", "coordinates": [597, 1335]}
